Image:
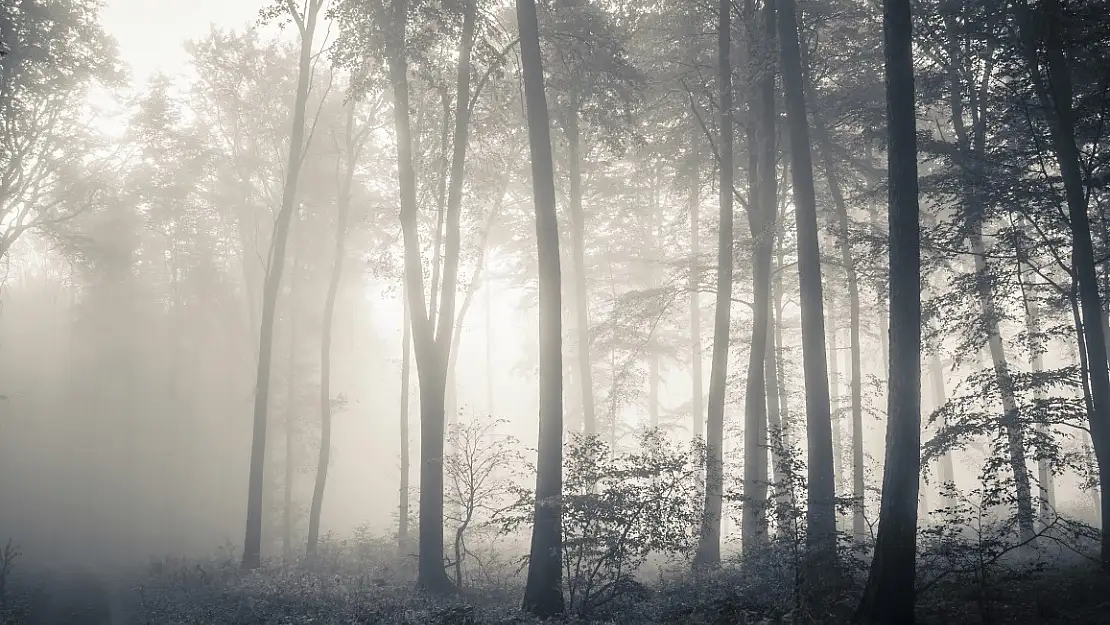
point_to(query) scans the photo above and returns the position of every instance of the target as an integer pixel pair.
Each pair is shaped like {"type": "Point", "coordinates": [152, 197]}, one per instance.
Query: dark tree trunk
{"type": "Point", "coordinates": [762, 210]}
{"type": "Point", "coordinates": [821, 508]}
{"type": "Point", "coordinates": [543, 594]}
{"type": "Point", "coordinates": [709, 543]}
{"type": "Point", "coordinates": [889, 596]}
{"type": "Point", "coordinates": [1055, 98]}
{"type": "Point", "coordinates": [252, 544]}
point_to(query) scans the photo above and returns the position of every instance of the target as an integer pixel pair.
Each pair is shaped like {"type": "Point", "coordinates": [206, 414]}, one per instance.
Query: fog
{"type": "Point", "coordinates": [240, 282]}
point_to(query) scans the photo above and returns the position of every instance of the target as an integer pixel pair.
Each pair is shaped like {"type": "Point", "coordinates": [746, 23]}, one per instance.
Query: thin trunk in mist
{"type": "Point", "coordinates": [821, 507]}
{"type": "Point", "coordinates": [776, 302]}
{"type": "Point", "coordinates": [1047, 495]}
{"type": "Point", "coordinates": [834, 399]}
{"type": "Point", "coordinates": [490, 409]}
{"type": "Point", "coordinates": [252, 544]}
{"type": "Point", "coordinates": [762, 210]}
{"type": "Point", "coordinates": [709, 541]}
{"type": "Point", "coordinates": [936, 375]}
{"type": "Point", "coordinates": [972, 150]}
{"type": "Point", "coordinates": [578, 252]}
{"type": "Point", "coordinates": [888, 598]}
{"type": "Point", "coordinates": [344, 209]}
{"type": "Point", "coordinates": [431, 330]}
{"type": "Point", "coordinates": [1055, 98]}
{"type": "Point", "coordinates": [290, 420]}
{"type": "Point", "coordinates": [477, 280]}
{"type": "Point", "coordinates": [847, 259]}
{"type": "Point", "coordinates": [694, 203]}
{"type": "Point", "coordinates": [406, 368]}
{"type": "Point", "coordinates": [543, 594]}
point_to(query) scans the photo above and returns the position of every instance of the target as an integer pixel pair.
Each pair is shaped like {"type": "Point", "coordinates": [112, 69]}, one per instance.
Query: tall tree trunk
{"type": "Point", "coordinates": [1055, 98]}
{"type": "Point", "coordinates": [406, 368]}
{"type": "Point", "coordinates": [693, 200]}
{"type": "Point", "coordinates": [821, 508]}
{"type": "Point", "coordinates": [578, 251]}
{"type": "Point", "coordinates": [431, 330]}
{"type": "Point", "coordinates": [290, 422]}
{"type": "Point", "coordinates": [834, 399]}
{"type": "Point", "coordinates": [889, 596]}
{"type": "Point", "coordinates": [543, 594]}
{"type": "Point", "coordinates": [709, 542]}
{"type": "Point", "coordinates": [324, 459]}
{"type": "Point", "coordinates": [252, 544]}
{"type": "Point", "coordinates": [847, 259]}
{"type": "Point", "coordinates": [762, 210]}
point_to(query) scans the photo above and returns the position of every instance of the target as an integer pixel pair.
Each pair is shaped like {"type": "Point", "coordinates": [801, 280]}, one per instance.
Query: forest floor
{"type": "Point", "coordinates": [218, 593]}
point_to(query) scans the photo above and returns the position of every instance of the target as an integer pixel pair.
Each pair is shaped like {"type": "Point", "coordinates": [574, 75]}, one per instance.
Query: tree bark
{"type": "Point", "coordinates": [821, 507]}
{"type": "Point", "coordinates": [252, 543]}
{"type": "Point", "coordinates": [889, 596]}
{"type": "Point", "coordinates": [709, 544]}
{"type": "Point", "coordinates": [343, 212]}
{"type": "Point", "coordinates": [543, 595]}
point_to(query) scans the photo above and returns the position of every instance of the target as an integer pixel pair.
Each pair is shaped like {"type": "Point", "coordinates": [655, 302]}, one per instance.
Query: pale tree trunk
{"type": "Point", "coordinates": [709, 542]}
{"type": "Point", "coordinates": [1055, 98]}
{"type": "Point", "coordinates": [252, 545]}
{"type": "Point", "coordinates": [290, 421]}
{"type": "Point", "coordinates": [406, 368]}
{"type": "Point", "coordinates": [821, 507]}
{"type": "Point", "coordinates": [697, 405]}
{"type": "Point", "coordinates": [543, 595]}
{"type": "Point", "coordinates": [834, 398]}
{"type": "Point", "coordinates": [1047, 495]}
{"type": "Point", "coordinates": [344, 209]}
{"type": "Point", "coordinates": [888, 598]}
{"type": "Point", "coordinates": [581, 294]}
{"type": "Point", "coordinates": [847, 259]}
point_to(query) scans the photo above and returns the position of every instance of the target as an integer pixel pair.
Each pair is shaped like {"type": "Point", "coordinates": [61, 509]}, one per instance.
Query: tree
{"type": "Point", "coordinates": [543, 594]}
{"type": "Point", "coordinates": [709, 544]}
{"type": "Point", "coordinates": [1055, 94]}
{"type": "Point", "coordinates": [821, 507]}
{"type": "Point", "coordinates": [353, 138]}
{"type": "Point", "coordinates": [306, 26]}
{"type": "Point", "coordinates": [889, 595]}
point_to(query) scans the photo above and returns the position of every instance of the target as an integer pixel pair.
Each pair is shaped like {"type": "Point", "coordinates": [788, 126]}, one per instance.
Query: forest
{"type": "Point", "coordinates": [456, 312]}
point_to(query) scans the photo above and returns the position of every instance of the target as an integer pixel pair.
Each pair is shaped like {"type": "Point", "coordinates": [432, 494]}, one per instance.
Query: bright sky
{"type": "Point", "coordinates": [152, 33]}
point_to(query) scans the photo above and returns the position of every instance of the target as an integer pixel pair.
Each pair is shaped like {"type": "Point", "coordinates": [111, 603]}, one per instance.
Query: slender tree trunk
{"type": "Point", "coordinates": [763, 207]}
{"type": "Point", "coordinates": [1055, 98]}
{"type": "Point", "coordinates": [821, 509]}
{"type": "Point", "coordinates": [889, 596]}
{"type": "Point", "coordinates": [543, 595]}
{"type": "Point", "coordinates": [290, 422]}
{"type": "Point", "coordinates": [834, 398]}
{"type": "Point", "coordinates": [252, 545]}
{"type": "Point", "coordinates": [697, 405]}
{"type": "Point", "coordinates": [709, 543]}
{"type": "Point", "coordinates": [326, 334]}
{"type": "Point", "coordinates": [847, 259]}
{"type": "Point", "coordinates": [406, 368]}
{"type": "Point", "coordinates": [578, 250]}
